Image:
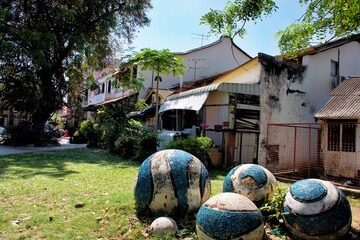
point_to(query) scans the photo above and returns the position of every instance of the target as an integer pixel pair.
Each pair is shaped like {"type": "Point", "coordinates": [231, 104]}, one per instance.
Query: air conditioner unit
{"type": "Point", "coordinates": [336, 80]}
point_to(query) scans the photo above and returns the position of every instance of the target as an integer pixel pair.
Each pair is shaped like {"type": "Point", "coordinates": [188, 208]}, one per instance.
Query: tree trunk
{"type": "Point", "coordinates": [51, 100]}
{"type": "Point", "coordinates": [157, 102]}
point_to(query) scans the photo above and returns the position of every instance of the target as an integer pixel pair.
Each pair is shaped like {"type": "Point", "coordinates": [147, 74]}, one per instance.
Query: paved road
{"type": "Point", "coordinates": [64, 144]}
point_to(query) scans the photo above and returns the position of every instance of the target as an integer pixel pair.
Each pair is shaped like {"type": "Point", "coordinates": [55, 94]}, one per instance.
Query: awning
{"type": "Point", "coordinates": [190, 102]}
{"type": "Point", "coordinates": [146, 111]}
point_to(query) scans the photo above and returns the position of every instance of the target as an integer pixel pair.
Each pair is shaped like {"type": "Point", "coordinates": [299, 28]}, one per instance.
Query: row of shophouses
{"type": "Point", "coordinates": [295, 117]}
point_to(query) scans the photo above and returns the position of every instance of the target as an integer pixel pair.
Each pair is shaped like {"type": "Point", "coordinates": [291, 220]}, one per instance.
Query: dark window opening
{"type": "Point", "coordinates": [344, 131]}
{"type": "Point", "coordinates": [186, 119]}
{"type": "Point", "coordinates": [244, 99]}
{"type": "Point", "coordinates": [109, 87]}
{"type": "Point", "coordinates": [348, 138]}
{"type": "Point", "coordinates": [334, 137]}
{"type": "Point", "coordinates": [334, 70]}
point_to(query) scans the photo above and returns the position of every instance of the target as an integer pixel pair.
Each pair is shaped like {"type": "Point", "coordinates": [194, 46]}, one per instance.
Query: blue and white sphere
{"type": "Point", "coordinates": [251, 180]}
{"type": "Point", "coordinates": [316, 209]}
{"type": "Point", "coordinates": [172, 181]}
{"type": "Point", "coordinates": [229, 216]}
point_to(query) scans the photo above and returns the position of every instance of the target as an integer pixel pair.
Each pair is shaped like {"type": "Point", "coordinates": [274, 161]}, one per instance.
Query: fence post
{"type": "Point", "coordinates": [309, 150]}
{"type": "Point", "coordinates": [294, 160]}
{"type": "Point", "coordinates": [267, 146]}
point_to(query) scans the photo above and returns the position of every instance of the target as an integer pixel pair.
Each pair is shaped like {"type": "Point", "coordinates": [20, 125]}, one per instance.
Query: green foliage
{"type": "Point", "coordinates": [89, 132]}
{"type": "Point", "coordinates": [161, 62]}
{"type": "Point", "coordinates": [322, 21]}
{"type": "Point", "coordinates": [114, 123]}
{"type": "Point", "coordinates": [272, 210]}
{"type": "Point", "coordinates": [126, 78]}
{"type": "Point", "coordinates": [225, 22]}
{"type": "Point", "coordinates": [125, 146]}
{"type": "Point", "coordinates": [146, 140]}
{"type": "Point", "coordinates": [141, 104]}
{"type": "Point", "coordinates": [47, 47]}
{"type": "Point", "coordinates": [199, 147]}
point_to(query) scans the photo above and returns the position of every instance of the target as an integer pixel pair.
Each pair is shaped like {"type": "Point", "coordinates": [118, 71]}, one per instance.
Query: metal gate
{"type": "Point", "coordinates": [314, 150]}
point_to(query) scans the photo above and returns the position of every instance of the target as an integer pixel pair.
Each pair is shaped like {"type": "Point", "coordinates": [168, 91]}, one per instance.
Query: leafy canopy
{"type": "Point", "coordinates": [48, 46]}
{"type": "Point", "coordinates": [161, 61]}
{"type": "Point", "coordinates": [322, 21]}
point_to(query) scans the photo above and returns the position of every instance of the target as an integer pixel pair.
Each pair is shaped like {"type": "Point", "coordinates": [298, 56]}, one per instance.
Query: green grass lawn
{"type": "Point", "coordinates": [39, 193]}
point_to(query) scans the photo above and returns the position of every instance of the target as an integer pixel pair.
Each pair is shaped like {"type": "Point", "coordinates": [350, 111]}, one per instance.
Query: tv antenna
{"type": "Point", "coordinates": [201, 36]}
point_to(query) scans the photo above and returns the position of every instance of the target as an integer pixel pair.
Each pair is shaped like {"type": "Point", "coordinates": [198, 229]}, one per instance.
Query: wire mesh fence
{"type": "Point", "coordinates": [327, 151]}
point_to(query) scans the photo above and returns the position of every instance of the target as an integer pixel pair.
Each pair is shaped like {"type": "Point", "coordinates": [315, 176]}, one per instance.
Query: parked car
{"type": "Point", "coordinates": [3, 134]}
{"type": "Point", "coordinates": [52, 131]}
{"type": "Point", "coordinates": [62, 132]}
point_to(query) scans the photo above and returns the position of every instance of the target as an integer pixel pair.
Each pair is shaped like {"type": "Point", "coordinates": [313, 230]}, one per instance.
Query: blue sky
{"type": "Point", "coordinates": [174, 24]}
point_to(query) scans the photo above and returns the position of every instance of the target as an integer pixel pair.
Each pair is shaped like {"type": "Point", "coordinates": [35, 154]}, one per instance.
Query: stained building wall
{"type": "Point", "coordinates": [283, 99]}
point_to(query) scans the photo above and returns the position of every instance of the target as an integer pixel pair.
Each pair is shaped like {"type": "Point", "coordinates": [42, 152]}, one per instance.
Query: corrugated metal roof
{"type": "Point", "coordinates": [252, 89]}
{"type": "Point", "coordinates": [345, 101]}
{"type": "Point", "coordinates": [350, 86]}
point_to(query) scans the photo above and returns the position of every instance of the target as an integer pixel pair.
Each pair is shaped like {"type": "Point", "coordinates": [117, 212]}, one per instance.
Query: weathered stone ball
{"type": "Point", "coordinates": [316, 209]}
{"type": "Point", "coordinates": [163, 226]}
{"type": "Point", "coordinates": [172, 181]}
{"type": "Point", "coordinates": [229, 216]}
{"type": "Point", "coordinates": [251, 180]}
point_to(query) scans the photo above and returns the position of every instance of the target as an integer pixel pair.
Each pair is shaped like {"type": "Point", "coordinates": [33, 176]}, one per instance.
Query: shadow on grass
{"type": "Point", "coordinates": [54, 164]}
{"type": "Point", "coordinates": [217, 174]}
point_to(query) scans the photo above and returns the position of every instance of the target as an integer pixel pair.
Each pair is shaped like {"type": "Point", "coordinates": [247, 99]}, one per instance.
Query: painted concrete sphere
{"type": "Point", "coordinates": [163, 226]}
{"type": "Point", "coordinates": [316, 209]}
{"type": "Point", "coordinates": [229, 216]}
{"type": "Point", "coordinates": [172, 181]}
{"type": "Point", "coordinates": [251, 180]}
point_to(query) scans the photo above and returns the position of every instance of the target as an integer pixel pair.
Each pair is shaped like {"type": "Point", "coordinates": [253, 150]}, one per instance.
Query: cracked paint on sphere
{"type": "Point", "coordinates": [316, 209]}
{"type": "Point", "coordinates": [172, 180]}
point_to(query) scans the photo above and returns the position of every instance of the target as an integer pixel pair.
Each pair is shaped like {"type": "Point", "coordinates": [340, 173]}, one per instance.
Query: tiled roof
{"type": "Point", "coordinates": [344, 101]}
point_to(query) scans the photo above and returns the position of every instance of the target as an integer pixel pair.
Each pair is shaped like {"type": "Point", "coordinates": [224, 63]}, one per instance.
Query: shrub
{"type": "Point", "coordinates": [146, 140]}
{"type": "Point", "coordinates": [124, 146]}
{"type": "Point", "coordinates": [90, 133]}
{"type": "Point", "coordinates": [272, 210]}
{"type": "Point", "coordinates": [114, 121]}
{"type": "Point", "coordinates": [199, 147]}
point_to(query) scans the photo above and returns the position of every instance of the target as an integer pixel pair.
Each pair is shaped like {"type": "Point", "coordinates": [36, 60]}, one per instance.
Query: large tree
{"type": "Point", "coordinates": [48, 46]}
{"type": "Point", "coordinates": [323, 20]}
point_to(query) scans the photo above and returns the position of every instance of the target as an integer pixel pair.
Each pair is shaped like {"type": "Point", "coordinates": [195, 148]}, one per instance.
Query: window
{"type": "Point", "coordinates": [342, 136]}
{"type": "Point", "coordinates": [103, 88]}
{"type": "Point", "coordinates": [109, 87]}
{"type": "Point", "coordinates": [334, 137]}
{"type": "Point", "coordinates": [348, 137]}
{"type": "Point", "coordinates": [334, 70]}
